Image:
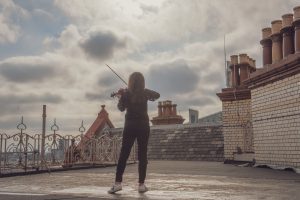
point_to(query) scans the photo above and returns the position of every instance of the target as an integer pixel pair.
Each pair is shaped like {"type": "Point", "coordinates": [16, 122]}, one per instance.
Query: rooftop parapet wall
{"type": "Point", "coordinates": [276, 122]}
{"type": "Point", "coordinates": [237, 128]}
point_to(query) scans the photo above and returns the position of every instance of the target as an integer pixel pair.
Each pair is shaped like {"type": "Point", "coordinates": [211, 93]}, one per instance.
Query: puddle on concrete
{"type": "Point", "coordinates": [129, 192]}
{"type": "Point", "coordinates": [21, 194]}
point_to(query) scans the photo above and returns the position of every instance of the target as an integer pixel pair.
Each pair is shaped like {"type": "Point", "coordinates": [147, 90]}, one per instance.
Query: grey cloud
{"type": "Point", "coordinates": [215, 78]}
{"type": "Point", "coordinates": [199, 100]}
{"type": "Point", "coordinates": [11, 103]}
{"type": "Point", "coordinates": [172, 78]}
{"type": "Point", "coordinates": [147, 9]}
{"type": "Point", "coordinates": [92, 96]}
{"type": "Point", "coordinates": [11, 123]}
{"type": "Point", "coordinates": [108, 80]}
{"type": "Point", "coordinates": [106, 84]}
{"type": "Point", "coordinates": [34, 124]}
{"type": "Point", "coordinates": [102, 45]}
{"type": "Point", "coordinates": [31, 98]}
{"type": "Point", "coordinates": [26, 72]}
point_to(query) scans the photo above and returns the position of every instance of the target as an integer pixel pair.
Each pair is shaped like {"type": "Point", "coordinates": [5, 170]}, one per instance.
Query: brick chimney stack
{"type": "Point", "coordinates": [241, 66]}
{"type": "Point", "coordinates": [167, 114]}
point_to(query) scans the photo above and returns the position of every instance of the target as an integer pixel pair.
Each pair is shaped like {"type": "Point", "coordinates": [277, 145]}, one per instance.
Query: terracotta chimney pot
{"type": "Point", "coordinates": [251, 62]}
{"type": "Point", "coordinates": [297, 13]}
{"type": "Point", "coordinates": [163, 108]}
{"type": "Point", "coordinates": [266, 32]}
{"type": "Point", "coordinates": [243, 58]}
{"type": "Point", "coordinates": [276, 26]}
{"type": "Point", "coordinates": [297, 29]}
{"type": "Point", "coordinates": [160, 112]}
{"type": "Point", "coordinates": [174, 110]}
{"type": "Point", "coordinates": [287, 35]}
{"type": "Point", "coordinates": [243, 73]}
{"type": "Point", "coordinates": [287, 20]}
{"type": "Point", "coordinates": [168, 105]}
{"type": "Point", "coordinates": [276, 41]}
{"type": "Point", "coordinates": [248, 59]}
{"type": "Point", "coordinates": [234, 59]}
{"type": "Point", "coordinates": [266, 43]}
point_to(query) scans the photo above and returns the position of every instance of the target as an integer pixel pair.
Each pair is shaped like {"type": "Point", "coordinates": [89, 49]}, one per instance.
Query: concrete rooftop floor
{"type": "Point", "coordinates": [165, 179]}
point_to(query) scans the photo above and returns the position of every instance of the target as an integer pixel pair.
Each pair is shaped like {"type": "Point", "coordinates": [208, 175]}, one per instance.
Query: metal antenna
{"type": "Point", "coordinates": [116, 74]}
{"type": "Point", "coordinates": [225, 62]}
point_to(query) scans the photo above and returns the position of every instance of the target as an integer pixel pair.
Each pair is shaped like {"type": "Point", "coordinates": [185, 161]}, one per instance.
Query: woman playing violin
{"type": "Point", "coordinates": [134, 101]}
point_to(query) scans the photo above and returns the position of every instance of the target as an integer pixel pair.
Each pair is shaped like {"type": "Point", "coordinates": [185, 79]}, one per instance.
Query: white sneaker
{"type": "Point", "coordinates": [115, 188]}
{"type": "Point", "coordinates": [142, 188]}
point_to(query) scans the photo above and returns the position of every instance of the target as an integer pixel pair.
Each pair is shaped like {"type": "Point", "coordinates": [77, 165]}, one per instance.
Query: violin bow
{"type": "Point", "coordinates": [116, 74]}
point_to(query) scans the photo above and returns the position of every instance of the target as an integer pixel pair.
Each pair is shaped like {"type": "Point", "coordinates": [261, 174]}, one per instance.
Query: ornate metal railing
{"type": "Point", "coordinates": [22, 152]}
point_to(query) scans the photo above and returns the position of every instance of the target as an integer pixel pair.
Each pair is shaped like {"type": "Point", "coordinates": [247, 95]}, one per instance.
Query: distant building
{"type": "Point", "coordinates": [167, 114]}
{"type": "Point", "coordinates": [215, 118]}
{"type": "Point", "coordinates": [193, 116]}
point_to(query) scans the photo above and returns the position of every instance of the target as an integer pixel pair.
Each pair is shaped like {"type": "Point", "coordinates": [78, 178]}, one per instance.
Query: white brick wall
{"type": "Point", "coordinates": [276, 122]}
{"type": "Point", "coordinates": [237, 127]}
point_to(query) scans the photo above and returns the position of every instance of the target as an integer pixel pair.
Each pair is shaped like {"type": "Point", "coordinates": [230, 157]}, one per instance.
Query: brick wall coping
{"type": "Point", "coordinates": [271, 73]}
{"type": "Point", "coordinates": [234, 94]}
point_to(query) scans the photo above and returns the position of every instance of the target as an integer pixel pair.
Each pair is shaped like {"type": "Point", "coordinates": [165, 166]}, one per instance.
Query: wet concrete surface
{"type": "Point", "coordinates": [166, 180]}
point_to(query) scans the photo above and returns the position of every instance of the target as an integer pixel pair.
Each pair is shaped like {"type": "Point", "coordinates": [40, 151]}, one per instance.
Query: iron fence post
{"type": "Point", "coordinates": [26, 153]}
{"type": "Point", "coordinates": [1, 156]}
{"type": "Point", "coordinates": [43, 137]}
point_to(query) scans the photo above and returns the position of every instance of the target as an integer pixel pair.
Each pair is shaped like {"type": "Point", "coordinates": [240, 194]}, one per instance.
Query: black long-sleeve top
{"type": "Point", "coordinates": [137, 110]}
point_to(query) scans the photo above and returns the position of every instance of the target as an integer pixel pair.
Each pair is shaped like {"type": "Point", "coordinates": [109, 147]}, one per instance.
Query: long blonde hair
{"type": "Point", "coordinates": [136, 86]}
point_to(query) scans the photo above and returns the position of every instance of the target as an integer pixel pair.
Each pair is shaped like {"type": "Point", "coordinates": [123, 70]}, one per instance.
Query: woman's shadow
{"type": "Point", "coordinates": [142, 196]}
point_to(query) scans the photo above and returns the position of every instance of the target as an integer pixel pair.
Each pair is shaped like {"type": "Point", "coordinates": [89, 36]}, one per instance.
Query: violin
{"type": "Point", "coordinates": [119, 93]}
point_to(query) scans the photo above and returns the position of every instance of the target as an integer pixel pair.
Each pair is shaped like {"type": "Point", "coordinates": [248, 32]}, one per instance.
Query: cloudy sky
{"type": "Point", "coordinates": [54, 52]}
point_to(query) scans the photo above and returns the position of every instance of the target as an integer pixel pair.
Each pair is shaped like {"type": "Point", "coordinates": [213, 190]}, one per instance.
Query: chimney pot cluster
{"type": "Point", "coordinates": [242, 59]}
{"type": "Point", "coordinates": [167, 114]}
{"type": "Point", "coordinates": [166, 108]}
{"type": "Point", "coordinates": [284, 38]}
{"type": "Point", "coordinates": [241, 66]}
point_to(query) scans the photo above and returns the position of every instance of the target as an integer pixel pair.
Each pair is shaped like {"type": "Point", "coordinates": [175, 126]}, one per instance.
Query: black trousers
{"type": "Point", "coordinates": [134, 130]}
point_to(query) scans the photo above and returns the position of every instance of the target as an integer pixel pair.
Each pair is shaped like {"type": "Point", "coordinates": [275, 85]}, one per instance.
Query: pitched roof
{"type": "Point", "coordinates": [99, 123]}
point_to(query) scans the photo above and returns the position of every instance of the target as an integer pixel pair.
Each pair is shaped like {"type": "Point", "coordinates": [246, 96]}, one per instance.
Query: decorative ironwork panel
{"type": "Point", "coordinates": [21, 152]}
